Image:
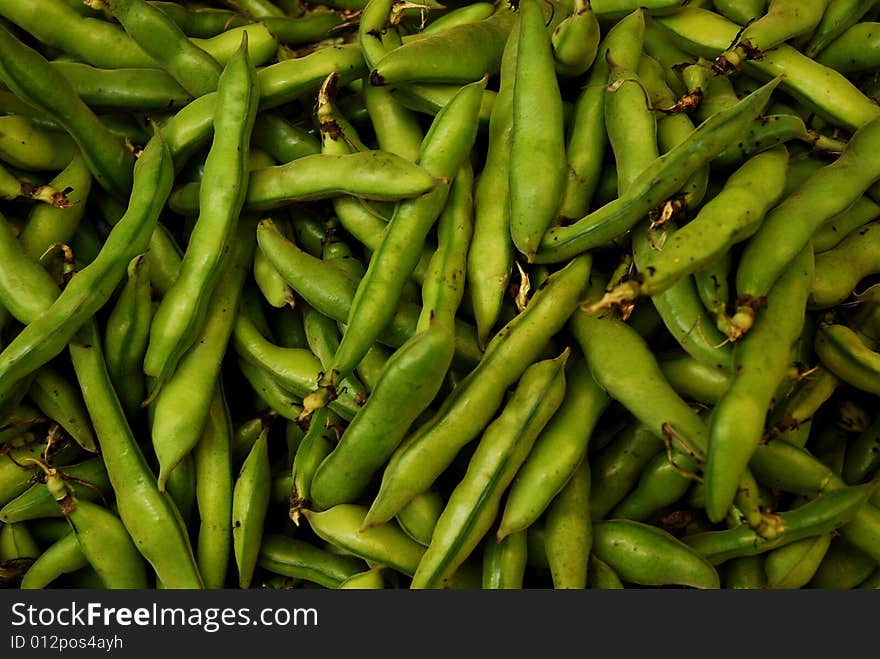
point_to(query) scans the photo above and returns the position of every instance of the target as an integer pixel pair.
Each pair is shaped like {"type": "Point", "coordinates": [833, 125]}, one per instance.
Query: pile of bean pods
{"type": "Point", "coordinates": [402, 294]}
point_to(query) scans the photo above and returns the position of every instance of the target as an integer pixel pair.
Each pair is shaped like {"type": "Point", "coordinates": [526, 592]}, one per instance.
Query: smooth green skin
{"type": "Point", "coordinates": [126, 333]}
{"type": "Point", "coordinates": [672, 129]}
{"type": "Point", "coordinates": [299, 559]}
{"type": "Point", "coordinates": [368, 580]}
{"type": "Point", "coordinates": [504, 562]}
{"type": "Point", "coordinates": [17, 542]}
{"type": "Point", "coordinates": [839, 16]}
{"type": "Point", "coordinates": [839, 270]}
{"type": "Point", "coordinates": [279, 83]}
{"type": "Point", "coordinates": [443, 287]}
{"type": "Point", "coordinates": [161, 38]}
{"type": "Point", "coordinates": [371, 366]}
{"type": "Point", "coordinates": [61, 557]}
{"type": "Point", "coordinates": [397, 128]}
{"type": "Point", "coordinates": [576, 41]}
{"type": "Point", "coordinates": [36, 502]}
{"type": "Point", "coordinates": [376, 175]}
{"type": "Point", "coordinates": [835, 230]}
{"type": "Point", "coordinates": [862, 454]}
{"type": "Point", "coordinates": [385, 545]}
{"type": "Point", "coordinates": [200, 22]}
{"type": "Point", "coordinates": [59, 400]}
{"type": "Point", "coordinates": [130, 89]}
{"type": "Point", "coordinates": [93, 40]}
{"type": "Point", "coordinates": [430, 98]}
{"type": "Point", "coordinates": [463, 414]}
{"type": "Point", "coordinates": [694, 380]}
{"type": "Point", "coordinates": [25, 145]}
{"type": "Point", "coordinates": [48, 334]}
{"type": "Point", "coordinates": [322, 338]}
{"type": "Point", "coordinates": [262, 44]}
{"type": "Point", "coordinates": [557, 452]}
{"type": "Point", "coordinates": [787, 228]}
{"type": "Point", "coordinates": [294, 369]}
{"type": "Point", "coordinates": [761, 361]}
{"type": "Point", "coordinates": [477, 49]}
{"type": "Point", "coordinates": [802, 405]}
{"type": "Point", "coordinates": [151, 517]}
{"type": "Point", "coordinates": [27, 73]}
{"type": "Point", "coordinates": [281, 139]}
{"type": "Point", "coordinates": [783, 21]}
{"type": "Point", "coordinates": [214, 487]}
{"type": "Point", "coordinates": [419, 517]}
{"type": "Point", "coordinates": [842, 567]}
{"type": "Point", "coordinates": [182, 310]}
{"type": "Point", "coordinates": [794, 565]}
{"type": "Point", "coordinates": [315, 446]}
{"type": "Point", "coordinates": [679, 304]}
{"type": "Point", "coordinates": [713, 287]}
{"type": "Point", "coordinates": [823, 514]}
{"type": "Point", "coordinates": [616, 9]}
{"type": "Point", "coordinates": [740, 11]}
{"type": "Point", "coordinates": [660, 485]}
{"type": "Point", "coordinates": [744, 573]}
{"type": "Point", "coordinates": [537, 134]}
{"type": "Point", "coordinates": [410, 380]}
{"type": "Point", "coordinates": [104, 541]}
{"type": "Point", "coordinates": [269, 392]}
{"type": "Point", "coordinates": [474, 503]}
{"type": "Point", "coordinates": [648, 556]}
{"type": "Point", "coordinates": [615, 469]}
{"type": "Point", "coordinates": [469, 13]}
{"type": "Point", "coordinates": [823, 90]}
{"type": "Point", "coordinates": [260, 8]}
{"type": "Point", "coordinates": [630, 124]}
{"type": "Point", "coordinates": [445, 147]}
{"type": "Point", "coordinates": [250, 504]}
{"type": "Point", "coordinates": [181, 487]}
{"type": "Point", "coordinates": [656, 184]}
{"type": "Point", "coordinates": [600, 576]}
{"type": "Point", "coordinates": [47, 224]}
{"type": "Point", "coordinates": [843, 352]}
{"type": "Point", "coordinates": [568, 531]}
{"type": "Point", "coordinates": [314, 26]}
{"type": "Point", "coordinates": [730, 217]}
{"type": "Point", "coordinates": [375, 36]}
{"type": "Point", "coordinates": [181, 409]}
{"type": "Point", "coordinates": [13, 479]}
{"type": "Point", "coordinates": [490, 259]}
{"type": "Point", "coordinates": [672, 58]}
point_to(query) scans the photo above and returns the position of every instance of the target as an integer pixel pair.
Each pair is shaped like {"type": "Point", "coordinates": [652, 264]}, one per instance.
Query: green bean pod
{"type": "Point", "coordinates": [250, 503]}
{"type": "Point", "coordinates": [862, 455]}
{"type": "Point", "coordinates": [385, 544]}
{"type": "Point", "coordinates": [504, 562]}
{"type": "Point", "coordinates": [397, 128]}
{"type": "Point", "coordinates": [795, 564]}
{"type": "Point", "coordinates": [181, 312]}
{"type": "Point", "coordinates": [840, 269]}
{"type": "Point", "coordinates": [660, 484]}
{"type": "Point", "coordinates": [445, 147]}
{"type": "Point", "coordinates": [473, 505]}
{"type": "Point", "coordinates": [47, 224]}
{"type": "Point", "coordinates": [173, 433]}
{"type": "Point", "coordinates": [838, 17]}
{"type": "Point", "coordinates": [823, 514]}
{"type": "Point", "coordinates": [322, 338]}
{"type": "Point", "coordinates": [568, 529]}
{"type": "Point", "coordinates": [281, 139]}
{"type": "Point", "coordinates": [58, 399]}
{"type": "Point", "coordinates": [744, 573]}
{"type": "Point", "coordinates": [214, 493]}
{"type": "Point", "coordinates": [740, 11]}
{"type": "Point", "coordinates": [648, 556]}
{"type": "Point", "coordinates": [842, 567]}
{"type": "Point", "coordinates": [368, 580]}
{"type": "Point", "coordinates": [61, 557]}
{"type": "Point", "coordinates": [27, 146]}
{"type": "Point", "coordinates": [269, 392]}
{"type": "Point", "coordinates": [26, 72]}
{"type": "Point", "coordinates": [537, 134]}
{"type": "Point", "coordinates": [825, 91]}
{"type": "Point", "coordinates": [419, 517]}
{"type": "Point", "coordinates": [693, 379]}
{"type": "Point", "coordinates": [843, 352]}
{"type": "Point", "coordinates": [557, 452]}
{"type": "Point", "coordinates": [299, 559]}
{"type": "Point", "coordinates": [426, 453]}
{"type": "Point", "coordinates": [833, 232]}
{"type": "Point", "coordinates": [600, 576]}
{"type": "Point", "coordinates": [408, 383]}
{"type": "Point", "coordinates": [16, 542]}
{"type": "Point", "coordinates": [313, 449]}
{"type": "Point", "coordinates": [102, 537]}
{"type": "Point", "coordinates": [576, 41]}
{"type": "Point", "coordinates": [760, 364]}
{"type": "Point", "coordinates": [656, 184]}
